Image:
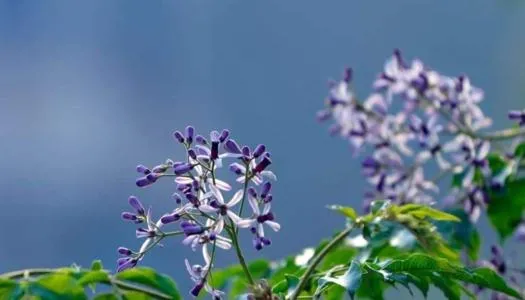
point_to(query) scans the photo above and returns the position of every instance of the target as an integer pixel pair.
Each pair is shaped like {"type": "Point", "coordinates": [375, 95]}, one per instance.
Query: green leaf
{"type": "Point", "coordinates": [345, 210]}
{"type": "Point", "coordinates": [287, 285]}
{"type": "Point", "coordinates": [131, 295]}
{"type": "Point", "coordinates": [461, 235]}
{"type": "Point", "coordinates": [505, 208]}
{"type": "Point", "coordinates": [96, 265]}
{"type": "Point", "coordinates": [259, 268]}
{"type": "Point", "coordinates": [520, 150]}
{"type": "Point", "coordinates": [150, 278]}
{"type": "Point", "coordinates": [372, 285]}
{"type": "Point", "coordinates": [56, 286]}
{"type": "Point", "coordinates": [418, 264]}
{"type": "Point", "coordinates": [450, 288]}
{"type": "Point", "coordinates": [426, 212]}
{"type": "Point", "coordinates": [350, 280]}
{"type": "Point", "coordinates": [106, 296]}
{"type": "Point", "coordinates": [94, 277]}
{"type": "Point", "coordinates": [496, 162]}
{"type": "Point", "coordinates": [7, 288]}
{"type": "Point", "coordinates": [379, 206]}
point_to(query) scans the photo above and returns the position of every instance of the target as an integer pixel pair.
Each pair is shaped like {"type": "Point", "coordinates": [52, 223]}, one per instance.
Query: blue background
{"type": "Point", "coordinates": [89, 89]}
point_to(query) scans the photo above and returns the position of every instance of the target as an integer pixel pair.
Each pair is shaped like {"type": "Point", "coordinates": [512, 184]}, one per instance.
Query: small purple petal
{"type": "Point", "coordinates": [129, 216]}
{"type": "Point", "coordinates": [246, 151]}
{"type": "Point", "coordinates": [126, 263]}
{"type": "Point", "coordinates": [182, 169]}
{"type": "Point", "coordinates": [135, 203]}
{"type": "Point", "coordinates": [259, 150]}
{"type": "Point", "coordinates": [178, 136]}
{"type": "Point", "coordinates": [224, 135]}
{"type": "Point", "coordinates": [143, 169]}
{"type": "Point", "coordinates": [268, 198]}
{"type": "Point", "coordinates": [192, 154]}
{"type": "Point", "coordinates": [323, 115]}
{"type": "Point", "coordinates": [201, 140]}
{"type": "Point", "coordinates": [124, 251]}
{"type": "Point", "coordinates": [152, 177]}
{"type": "Point", "coordinates": [143, 181]}
{"type": "Point", "coordinates": [195, 291]}
{"type": "Point", "coordinates": [263, 164]}
{"type": "Point", "coordinates": [267, 186]}
{"type": "Point", "coordinates": [189, 134]}
{"type": "Point", "coordinates": [252, 192]}
{"type": "Point", "coordinates": [232, 147]}
{"type": "Point", "coordinates": [169, 218]}
{"type": "Point", "coordinates": [235, 168]}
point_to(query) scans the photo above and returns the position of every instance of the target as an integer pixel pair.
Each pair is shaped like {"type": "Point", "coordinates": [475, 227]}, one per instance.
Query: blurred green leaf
{"type": "Point", "coordinates": [94, 277]}
{"type": "Point", "coordinates": [106, 296]}
{"type": "Point", "coordinates": [96, 265]}
{"type": "Point", "coordinates": [8, 288]}
{"type": "Point", "coordinates": [150, 278]}
{"type": "Point", "coordinates": [506, 207]}
{"type": "Point", "coordinates": [426, 212]}
{"type": "Point", "coordinates": [56, 286]}
{"type": "Point", "coordinates": [345, 210]}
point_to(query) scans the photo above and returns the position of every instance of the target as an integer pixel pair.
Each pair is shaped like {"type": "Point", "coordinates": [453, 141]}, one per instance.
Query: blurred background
{"type": "Point", "coordinates": [90, 89]}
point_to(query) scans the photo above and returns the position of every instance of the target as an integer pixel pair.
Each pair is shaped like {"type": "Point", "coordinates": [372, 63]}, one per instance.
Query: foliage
{"type": "Point", "coordinates": [78, 283]}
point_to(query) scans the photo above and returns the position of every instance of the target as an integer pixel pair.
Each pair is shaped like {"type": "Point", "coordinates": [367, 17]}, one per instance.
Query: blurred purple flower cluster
{"type": "Point", "coordinates": [417, 119]}
{"type": "Point", "coordinates": [206, 216]}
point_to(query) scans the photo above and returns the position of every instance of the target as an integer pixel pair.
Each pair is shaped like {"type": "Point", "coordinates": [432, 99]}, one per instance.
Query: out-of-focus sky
{"type": "Point", "coordinates": [89, 89]}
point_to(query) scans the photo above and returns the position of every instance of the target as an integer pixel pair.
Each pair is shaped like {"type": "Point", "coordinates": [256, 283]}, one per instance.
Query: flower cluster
{"type": "Point", "coordinates": [206, 216]}
{"type": "Point", "coordinates": [416, 117]}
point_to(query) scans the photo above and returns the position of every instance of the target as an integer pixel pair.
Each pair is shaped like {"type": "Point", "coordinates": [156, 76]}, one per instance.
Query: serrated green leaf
{"type": "Point", "coordinates": [450, 288]}
{"type": "Point", "coordinates": [96, 265]}
{"type": "Point", "coordinates": [426, 212]}
{"type": "Point", "coordinates": [505, 208]}
{"type": "Point", "coordinates": [345, 210]}
{"type": "Point", "coordinates": [150, 278]}
{"type": "Point", "coordinates": [418, 264]}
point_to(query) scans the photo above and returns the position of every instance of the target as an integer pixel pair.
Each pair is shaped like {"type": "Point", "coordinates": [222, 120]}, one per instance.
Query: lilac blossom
{"type": "Point", "coordinates": [260, 217]}
{"type": "Point", "coordinates": [204, 218]}
{"type": "Point", "coordinates": [517, 115]}
{"type": "Point", "coordinates": [199, 275]}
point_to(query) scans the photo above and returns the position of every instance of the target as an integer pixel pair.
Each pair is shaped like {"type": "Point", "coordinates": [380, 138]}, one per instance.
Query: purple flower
{"type": "Point", "coordinates": [124, 263]}
{"type": "Point", "coordinates": [140, 214]}
{"type": "Point", "coordinates": [189, 134]}
{"type": "Point", "coordinates": [179, 137]}
{"type": "Point", "coordinates": [257, 220]}
{"type": "Point", "coordinates": [220, 207]}
{"type": "Point", "coordinates": [199, 274]}
{"type": "Point", "coordinates": [518, 116]}
{"type": "Point", "coordinates": [471, 156]}
{"type": "Point", "coordinates": [474, 203]}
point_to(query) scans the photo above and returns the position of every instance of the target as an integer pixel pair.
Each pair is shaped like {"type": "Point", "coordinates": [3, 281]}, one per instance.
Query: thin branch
{"type": "Point", "coordinates": [317, 260]}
